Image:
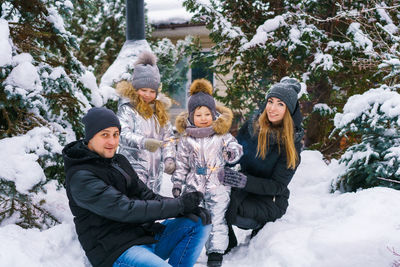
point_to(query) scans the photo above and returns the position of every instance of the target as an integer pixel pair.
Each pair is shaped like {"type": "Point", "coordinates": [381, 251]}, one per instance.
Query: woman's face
{"type": "Point", "coordinates": [147, 94]}
{"type": "Point", "coordinates": [202, 117]}
{"type": "Point", "coordinates": [276, 109]}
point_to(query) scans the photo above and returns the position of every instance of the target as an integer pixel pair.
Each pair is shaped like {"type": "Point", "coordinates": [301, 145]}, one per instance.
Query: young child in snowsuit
{"type": "Point", "coordinates": [146, 133]}
{"type": "Point", "coordinates": [205, 147]}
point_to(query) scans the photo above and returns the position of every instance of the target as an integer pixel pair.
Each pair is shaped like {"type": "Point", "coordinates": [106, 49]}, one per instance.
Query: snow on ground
{"type": "Point", "coordinates": [319, 229]}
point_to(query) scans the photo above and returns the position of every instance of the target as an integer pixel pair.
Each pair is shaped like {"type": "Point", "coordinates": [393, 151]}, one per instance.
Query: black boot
{"type": "Point", "coordinates": [232, 239]}
{"type": "Point", "coordinates": [214, 259]}
{"type": "Point", "coordinates": [254, 232]}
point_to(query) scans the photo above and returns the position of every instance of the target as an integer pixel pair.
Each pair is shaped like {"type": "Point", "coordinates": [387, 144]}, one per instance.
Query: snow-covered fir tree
{"type": "Point", "coordinates": [333, 47]}
{"type": "Point", "coordinates": [100, 28]}
{"type": "Point", "coordinates": [173, 62]}
{"type": "Point", "coordinates": [42, 99]}
{"type": "Point", "coordinates": [373, 118]}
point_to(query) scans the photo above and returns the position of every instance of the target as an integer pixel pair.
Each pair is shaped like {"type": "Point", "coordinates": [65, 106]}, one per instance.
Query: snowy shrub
{"type": "Point", "coordinates": [42, 101]}
{"type": "Point", "coordinates": [375, 160]}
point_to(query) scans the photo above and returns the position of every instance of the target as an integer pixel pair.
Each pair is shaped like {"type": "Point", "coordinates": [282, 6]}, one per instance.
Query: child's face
{"type": "Point", "coordinates": [202, 117]}
{"type": "Point", "coordinates": [147, 94]}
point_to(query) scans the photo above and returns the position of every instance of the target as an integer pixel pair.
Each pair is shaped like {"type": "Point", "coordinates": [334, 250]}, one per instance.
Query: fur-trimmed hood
{"type": "Point", "coordinates": [126, 90]}
{"type": "Point", "coordinates": [221, 125]}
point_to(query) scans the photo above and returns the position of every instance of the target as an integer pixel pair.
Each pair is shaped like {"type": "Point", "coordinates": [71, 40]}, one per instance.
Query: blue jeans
{"type": "Point", "coordinates": [181, 241]}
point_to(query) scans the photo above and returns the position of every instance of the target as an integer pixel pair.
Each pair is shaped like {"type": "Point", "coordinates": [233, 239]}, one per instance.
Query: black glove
{"type": "Point", "coordinates": [191, 201]}
{"type": "Point", "coordinates": [201, 213]}
{"type": "Point", "coordinates": [232, 178]}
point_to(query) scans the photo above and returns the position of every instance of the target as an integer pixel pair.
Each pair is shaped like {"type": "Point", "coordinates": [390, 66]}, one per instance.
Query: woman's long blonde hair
{"type": "Point", "coordinates": [284, 134]}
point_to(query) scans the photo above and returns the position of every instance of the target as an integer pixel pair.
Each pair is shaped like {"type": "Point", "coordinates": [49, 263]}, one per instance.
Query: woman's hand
{"type": "Point", "coordinates": [232, 178]}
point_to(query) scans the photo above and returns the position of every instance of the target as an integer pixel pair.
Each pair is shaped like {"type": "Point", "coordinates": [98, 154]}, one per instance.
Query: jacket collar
{"type": "Point", "coordinates": [221, 125]}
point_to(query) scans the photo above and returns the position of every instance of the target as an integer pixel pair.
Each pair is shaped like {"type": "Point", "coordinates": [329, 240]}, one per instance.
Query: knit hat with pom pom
{"type": "Point", "coordinates": [201, 95]}
{"type": "Point", "coordinates": [286, 90]}
{"type": "Point", "coordinates": [146, 73]}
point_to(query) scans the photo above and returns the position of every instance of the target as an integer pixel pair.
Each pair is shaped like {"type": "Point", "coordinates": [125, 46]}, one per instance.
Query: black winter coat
{"type": "Point", "coordinates": [111, 214]}
{"type": "Point", "coordinates": [265, 196]}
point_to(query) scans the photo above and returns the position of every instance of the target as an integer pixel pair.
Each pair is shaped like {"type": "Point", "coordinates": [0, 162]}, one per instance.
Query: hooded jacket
{"type": "Point", "coordinates": [265, 196]}
{"type": "Point", "coordinates": [112, 211]}
{"type": "Point", "coordinates": [204, 152]}
{"type": "Point", "coordinates": [136, 126]}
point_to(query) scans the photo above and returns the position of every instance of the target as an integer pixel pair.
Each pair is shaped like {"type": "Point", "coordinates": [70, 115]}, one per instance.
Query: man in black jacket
{"type": "Point", "coordinates": [115, 213]}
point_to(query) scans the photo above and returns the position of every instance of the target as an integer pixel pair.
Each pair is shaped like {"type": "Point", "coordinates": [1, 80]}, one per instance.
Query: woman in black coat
{"type": "Point", "coordinates": [271, 141]}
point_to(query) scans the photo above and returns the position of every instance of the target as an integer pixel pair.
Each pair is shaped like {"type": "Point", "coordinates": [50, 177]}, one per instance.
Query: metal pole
{"type": "Point", "coordinates": [135, 20]}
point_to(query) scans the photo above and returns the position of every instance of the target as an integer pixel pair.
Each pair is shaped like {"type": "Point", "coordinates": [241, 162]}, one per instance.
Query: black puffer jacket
{"type": "Point", "coordinates": [265, 196]}
{"type": "Point", "coordinates": [111, 214]}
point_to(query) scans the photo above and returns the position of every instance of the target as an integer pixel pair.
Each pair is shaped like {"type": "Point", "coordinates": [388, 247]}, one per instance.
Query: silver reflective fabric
{"type": "Point", "coordinates": [197, 163]}
{"type": "Point", "coordinates": [134, 130]}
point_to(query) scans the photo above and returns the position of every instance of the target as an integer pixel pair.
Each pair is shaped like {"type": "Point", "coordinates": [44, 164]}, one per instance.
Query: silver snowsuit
{"type": "Point", "coordinates": [197, 163]}
{"type": "Point", "coordinates": [134, 130]}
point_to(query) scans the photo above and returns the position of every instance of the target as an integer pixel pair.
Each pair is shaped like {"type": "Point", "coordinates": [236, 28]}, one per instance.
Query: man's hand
{"type": "Point", "coordinates": [201, 213]}
{"type": "Point", "coordinates": [191, 201]}
{"type": "Point", "coordinates": [152, 144]}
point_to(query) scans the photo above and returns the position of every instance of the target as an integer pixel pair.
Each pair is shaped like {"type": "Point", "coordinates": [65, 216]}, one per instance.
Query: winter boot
{"type": "Point", "coordinates": [232, 240]}
{"type": "Point", "coordinates": [214, 259]}
{"type": "Point", "coordinates": [254, 232]}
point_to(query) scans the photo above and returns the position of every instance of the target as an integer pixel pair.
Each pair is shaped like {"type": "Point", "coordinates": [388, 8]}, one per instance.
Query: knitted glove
{"type": "Point", "coordinates": [176, 191]}
{"type": "Point", "coordinates": [232, 178]}
{"type": "Point", "coordinates": [201, 213]}
{"type": "Point", "coordinates": [169, 166]}
{"type": "Point", "coordinates": [152, 144]}
{"type": "Point", "coordinates": [191, 201]}
{"type": "Point", "coordinates": [228, 154]}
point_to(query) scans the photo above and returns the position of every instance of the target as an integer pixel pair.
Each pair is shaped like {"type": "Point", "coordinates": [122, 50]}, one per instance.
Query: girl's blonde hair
{"type": "Point", "coordinates": [284, 135]}
{"type": "Point", "coordinates": [146, 111]}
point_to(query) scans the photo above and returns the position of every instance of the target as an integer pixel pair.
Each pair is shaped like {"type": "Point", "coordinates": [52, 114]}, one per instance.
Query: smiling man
{"type": "Point", "coordinates": [115, 212]}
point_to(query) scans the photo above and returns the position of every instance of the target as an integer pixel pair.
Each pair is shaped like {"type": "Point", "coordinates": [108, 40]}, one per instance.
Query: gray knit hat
{"type": "Point", "coordinates": [146, 73]}
{"type": "Point", "coordinates": [200, 95]}
{"type": "Point", "coordinates": [286, 90]}
{"type": "Point", "coordinates": [98, 119]}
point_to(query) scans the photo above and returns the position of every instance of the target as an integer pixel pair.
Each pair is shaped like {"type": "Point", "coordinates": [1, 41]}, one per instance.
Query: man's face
{"type": "Point", "coordinates": [105, 142]}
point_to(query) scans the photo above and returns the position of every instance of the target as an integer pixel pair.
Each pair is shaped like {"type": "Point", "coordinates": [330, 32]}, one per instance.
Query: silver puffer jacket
{"type": "Point", "coordinates": [197, 163]}
{"type": "Point", "coordinates": [134, 130]}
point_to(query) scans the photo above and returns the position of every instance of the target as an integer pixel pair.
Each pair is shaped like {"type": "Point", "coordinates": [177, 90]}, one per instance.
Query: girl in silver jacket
{"type": "Point", "coordinates": [147, 139]}
{"type": "Point", "coordinates": [205, 147]}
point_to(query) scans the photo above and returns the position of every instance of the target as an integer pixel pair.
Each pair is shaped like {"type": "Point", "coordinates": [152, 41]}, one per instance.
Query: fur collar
{"type": "Point", "coordinates": [221, 125]}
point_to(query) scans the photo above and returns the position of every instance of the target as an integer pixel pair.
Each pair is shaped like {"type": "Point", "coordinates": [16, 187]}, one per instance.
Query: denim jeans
{"type": "Point", "coordinates": [181, 241]}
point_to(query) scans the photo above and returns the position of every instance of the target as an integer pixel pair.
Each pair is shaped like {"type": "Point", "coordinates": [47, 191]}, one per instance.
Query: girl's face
{"type": "Point", "coordinates": [202, 117]}
{"type": "Point", "coordinates": [276, 109]}
{"type": "Point", "coordinates": [147, 94]}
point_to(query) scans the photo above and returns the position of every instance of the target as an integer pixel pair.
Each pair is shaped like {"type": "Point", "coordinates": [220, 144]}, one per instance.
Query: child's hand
{"type": "Point", "coordinates": [152, 144]}
{"type": "Point", "coordinates": [228, 154]}
{"type": "Point", "coordinates": [169, 166]}
{"type": "Point", "coordinates": [176, 192]}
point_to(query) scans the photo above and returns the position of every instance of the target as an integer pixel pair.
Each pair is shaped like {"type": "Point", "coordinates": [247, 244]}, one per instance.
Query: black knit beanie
{"type": "Point", "coordinates": [200, 91]}
{"type": "Point", "coordinates": [286, 90]}
{"type": "Point", "coordinates": [97, 119]}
